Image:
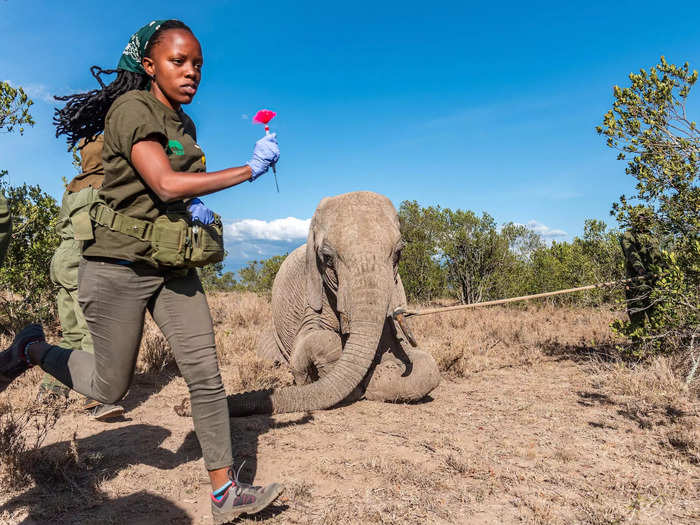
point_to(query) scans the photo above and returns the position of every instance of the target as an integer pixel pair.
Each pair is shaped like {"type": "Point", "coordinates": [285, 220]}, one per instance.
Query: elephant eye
{"type": "Point", "coordinates": [327, 260]}
{"type": "Point", "coordinates": [327, 253]}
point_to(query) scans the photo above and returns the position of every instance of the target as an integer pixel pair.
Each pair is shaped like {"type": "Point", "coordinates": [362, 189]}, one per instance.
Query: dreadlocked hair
{"type": "Point", "coordinates": [84, 114]}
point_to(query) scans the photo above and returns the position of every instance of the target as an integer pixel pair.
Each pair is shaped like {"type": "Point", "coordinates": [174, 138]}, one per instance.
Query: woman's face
{"type": "Point", "coordinates": [175, 65]}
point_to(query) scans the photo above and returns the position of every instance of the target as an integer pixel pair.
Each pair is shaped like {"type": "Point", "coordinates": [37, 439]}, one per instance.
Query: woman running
{"type": "Point", "coordinates": [154, 172]}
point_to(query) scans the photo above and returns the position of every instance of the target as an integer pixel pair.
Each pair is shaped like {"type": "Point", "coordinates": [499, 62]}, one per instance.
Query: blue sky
{"type": "Point", "coordinates": [487, 106]}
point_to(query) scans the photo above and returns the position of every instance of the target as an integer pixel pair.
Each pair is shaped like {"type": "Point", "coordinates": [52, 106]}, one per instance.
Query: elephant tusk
{"type": "Point", "coordinates": [399, 316]}
{"type": "Point", "coordinates": [344, 323]}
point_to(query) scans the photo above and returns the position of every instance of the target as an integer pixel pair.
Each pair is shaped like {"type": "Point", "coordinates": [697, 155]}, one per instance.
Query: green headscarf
{"type": "Point", "coordinates": [134, 50]}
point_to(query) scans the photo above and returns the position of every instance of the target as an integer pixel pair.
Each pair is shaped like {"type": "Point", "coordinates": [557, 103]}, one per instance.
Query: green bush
{"type": "Point", "coordinates": [28, 293]}
{"type": "Point", "coordinates": [649, 126]}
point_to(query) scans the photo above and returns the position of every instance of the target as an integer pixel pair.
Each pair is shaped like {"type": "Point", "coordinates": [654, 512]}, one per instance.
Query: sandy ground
{"type": "Point", "coordinates": [543, 439]}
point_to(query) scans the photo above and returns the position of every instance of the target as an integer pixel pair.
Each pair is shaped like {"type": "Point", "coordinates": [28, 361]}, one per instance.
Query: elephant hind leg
{"type": "Point", "coordinates": [389, 384]}
{"type": "Point", "coordinates": [267, 348]}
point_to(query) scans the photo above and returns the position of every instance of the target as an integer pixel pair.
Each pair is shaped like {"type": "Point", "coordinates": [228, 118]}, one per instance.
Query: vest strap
{"type": "Point", "coordinates": [115, 221]}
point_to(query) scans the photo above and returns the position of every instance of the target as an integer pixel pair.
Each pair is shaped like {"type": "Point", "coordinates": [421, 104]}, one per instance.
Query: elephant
{"type": "Point", "coordinates": [332, 304]}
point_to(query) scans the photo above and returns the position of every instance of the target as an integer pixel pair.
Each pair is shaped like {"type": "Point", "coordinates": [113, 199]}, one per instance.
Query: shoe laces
{"type": "Point", "coordinates": [240, 486]}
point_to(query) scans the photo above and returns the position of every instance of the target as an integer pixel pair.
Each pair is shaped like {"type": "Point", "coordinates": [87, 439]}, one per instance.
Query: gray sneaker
{"type": "Point", "coordinates": [90, 403]}
{"type": "Point", "coordinates": [104, 412]}
{"type": "Point", "coordinates": [241, 498]}
{"type": "Point", "coordinates": [12, 361]}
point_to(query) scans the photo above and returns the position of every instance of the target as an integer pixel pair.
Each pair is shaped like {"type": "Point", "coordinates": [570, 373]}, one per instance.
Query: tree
{"type": "Point", "coordinates": [594, 258]}
{"type": "Point", "coordinates": [24, 278]}
{"type": "Point", "coordinates": [471, 258]}
{"type": "Point", "coordinates": [515, 275]}
{"type": "Point", "coordinates": [258, 276]}
{"type": "Point", "coordinates": [423, 276]}
{"type": "Point", "coordinates": [649, 126]}
{"type": "Point", "coordinates": [214, 278]}
{"type": "Point", "coordinates": [478, 257]}
{"type": "Point", "coordinates": [14, 109]}
{"type": "Point", "coordinates": [29, 292]}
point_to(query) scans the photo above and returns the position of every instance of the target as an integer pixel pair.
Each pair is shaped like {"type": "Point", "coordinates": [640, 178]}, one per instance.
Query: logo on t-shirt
{"type": "Point", "coordinates": [175, 148]}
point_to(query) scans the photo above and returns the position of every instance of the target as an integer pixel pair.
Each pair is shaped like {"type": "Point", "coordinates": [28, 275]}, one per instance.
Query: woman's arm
{"type": "Point", "coordinates": [153, 165]}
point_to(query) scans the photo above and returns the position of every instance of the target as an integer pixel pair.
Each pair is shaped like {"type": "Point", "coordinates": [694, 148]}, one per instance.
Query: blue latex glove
{"type": "Point", "coordinates": [200, 212]}
{"type": "Point", "coordinates": [266, 152]}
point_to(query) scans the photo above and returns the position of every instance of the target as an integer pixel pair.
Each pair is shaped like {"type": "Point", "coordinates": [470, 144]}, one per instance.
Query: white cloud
{"type": "Point", "coordinates": [252, 239]}
{"type": "Point", "coordinates": [545, 231]}
{"type": "Point", "coordinates": [288, 230]}
{"type": "Point", "coordinates": [36, 92]}
{"type": "Point", "coordinates": [245, 116]}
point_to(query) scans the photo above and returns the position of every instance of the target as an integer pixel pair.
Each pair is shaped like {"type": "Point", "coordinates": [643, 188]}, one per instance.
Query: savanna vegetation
{"type": "Point", "coordinates": [470, 258]}
{"type": "Point", "coordinates": [467, 257]}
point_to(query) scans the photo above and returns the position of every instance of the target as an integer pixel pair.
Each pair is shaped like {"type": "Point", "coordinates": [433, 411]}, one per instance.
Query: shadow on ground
{"type": "Point", "coordinates": [67, 475]}
{"type": "Point", "coordinates": [140, 508]}
{"type": "Point", "coordinates": [245, 432]}
{"type": "Point", "coordinates": [581, 351]}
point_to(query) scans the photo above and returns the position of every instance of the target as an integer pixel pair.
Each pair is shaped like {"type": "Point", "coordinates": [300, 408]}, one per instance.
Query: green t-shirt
{"type": "Point", "coordinates": [135, 116]}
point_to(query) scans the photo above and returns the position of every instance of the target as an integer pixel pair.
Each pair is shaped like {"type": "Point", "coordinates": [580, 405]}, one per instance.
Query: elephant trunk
{"type": "Point", "coordinates": [370, 301]}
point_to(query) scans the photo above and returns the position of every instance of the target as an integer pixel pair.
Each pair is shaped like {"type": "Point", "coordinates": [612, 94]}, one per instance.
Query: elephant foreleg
{"type": "Point", "coordinates": [314, 354]}
{"type": "Point", "coordinates": [394, 380]}
{"type": "Point", "coordinates": [268, 349]}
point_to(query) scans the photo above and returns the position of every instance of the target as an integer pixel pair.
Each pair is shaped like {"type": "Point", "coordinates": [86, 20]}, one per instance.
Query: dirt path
{"type": "Point", "coordinates": [539, 442]}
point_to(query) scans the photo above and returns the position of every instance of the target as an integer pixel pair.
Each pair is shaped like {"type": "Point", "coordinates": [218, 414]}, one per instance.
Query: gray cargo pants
{"type": "Point", "coordinates": [114, 299]}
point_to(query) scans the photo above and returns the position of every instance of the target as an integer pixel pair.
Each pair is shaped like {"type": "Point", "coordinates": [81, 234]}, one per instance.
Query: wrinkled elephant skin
{"type": "Point", "coordinates": [332, 301]}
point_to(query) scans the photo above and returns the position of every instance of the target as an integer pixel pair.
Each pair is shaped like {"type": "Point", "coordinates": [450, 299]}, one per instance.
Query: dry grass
{"type": "Point", "coordinates": [469, 341]}
{"type": "Point", "coordinates": [23, 430]}
{"type": "Point", "coordinates": [238, 319]}
{"type": "Point", "coordinates": [155, 354]}
{"type": "Point", "coordinates": [536, 422]}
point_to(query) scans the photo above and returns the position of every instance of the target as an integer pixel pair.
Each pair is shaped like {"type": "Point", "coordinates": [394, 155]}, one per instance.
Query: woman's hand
{"type": "Point", "coordinates": [265, 153]}
{"type": "Point", "coordinates": [199, 212]}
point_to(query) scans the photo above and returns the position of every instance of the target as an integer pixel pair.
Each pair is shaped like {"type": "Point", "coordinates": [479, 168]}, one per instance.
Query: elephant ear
{"type": "Point", "coordinates": [314, 280]}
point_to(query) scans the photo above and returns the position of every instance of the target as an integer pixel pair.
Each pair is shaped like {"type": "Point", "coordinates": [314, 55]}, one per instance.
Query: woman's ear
{"type": "Point", "coordinates": [314, 280]}
{"type": "Point", "coordinates": [148, 66]}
